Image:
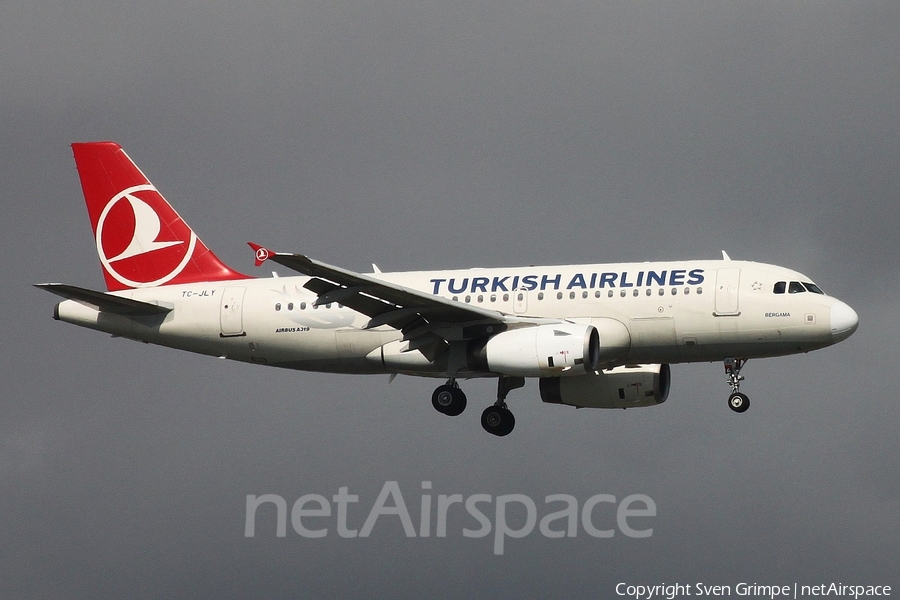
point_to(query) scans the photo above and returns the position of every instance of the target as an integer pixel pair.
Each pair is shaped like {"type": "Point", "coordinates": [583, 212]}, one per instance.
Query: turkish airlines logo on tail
{"type": "Point", "coordinates": [141, 241]}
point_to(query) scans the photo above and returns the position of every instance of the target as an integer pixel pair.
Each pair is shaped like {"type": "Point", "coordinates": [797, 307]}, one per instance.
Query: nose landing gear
{"type": "Point", "coordinates": [737, 401]}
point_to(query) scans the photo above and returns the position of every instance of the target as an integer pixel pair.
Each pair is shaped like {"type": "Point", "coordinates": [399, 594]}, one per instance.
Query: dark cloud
{"type": "Point", "coordinates": [442, 135]}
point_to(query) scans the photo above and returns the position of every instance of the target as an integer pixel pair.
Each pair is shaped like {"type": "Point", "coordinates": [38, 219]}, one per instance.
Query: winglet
{"type": "Point", "coordinates": [262, 254]}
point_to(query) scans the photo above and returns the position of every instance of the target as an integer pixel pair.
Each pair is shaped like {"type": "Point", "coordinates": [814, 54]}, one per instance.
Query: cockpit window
{"type": "Point", "coordinates": [795, 287]}
{"type": "Point", "coordinates": [813, 288]}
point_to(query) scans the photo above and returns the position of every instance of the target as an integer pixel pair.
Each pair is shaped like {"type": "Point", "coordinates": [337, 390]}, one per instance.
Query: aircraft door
{"type": "Point", "coordinates": [727, 284]}
{"type": "Point", "coordinates": [231, 317]}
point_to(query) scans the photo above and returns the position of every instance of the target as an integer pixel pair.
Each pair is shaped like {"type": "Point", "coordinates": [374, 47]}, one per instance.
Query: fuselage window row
{"type": "Point", "coordinates": [559, 296]}
{"type": "Point", "coordinates": [302, 306]}
{"type": "Point", "coordinates": [584, 295]}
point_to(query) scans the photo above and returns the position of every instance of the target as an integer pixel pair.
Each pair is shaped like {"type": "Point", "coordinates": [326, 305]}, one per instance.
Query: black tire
{"type": "Point", "coordinates": [498, 421]}
{"type": "Point", "coordinates": [738, 402]}
{"type": "Point", "coordinates": [449, 400]}
{"type": "Point", "coordinates": [509, 422]}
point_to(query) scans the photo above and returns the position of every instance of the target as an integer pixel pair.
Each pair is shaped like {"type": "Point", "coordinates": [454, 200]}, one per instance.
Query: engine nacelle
{"type": "Point", "coordinates": [622, 387]}
{"type": "Point", "coordinates": [541, 351]}
{"type": "Point", "coordinates": [615, 340]}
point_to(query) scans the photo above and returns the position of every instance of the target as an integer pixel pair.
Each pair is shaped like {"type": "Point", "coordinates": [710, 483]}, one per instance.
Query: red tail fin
{"type": "Point", "coordinates": [141, 240]}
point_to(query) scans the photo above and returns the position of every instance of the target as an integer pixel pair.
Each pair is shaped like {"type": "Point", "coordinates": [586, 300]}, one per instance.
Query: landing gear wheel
{"type": "Point", "coordinates": [498, 420]}
{"type": "Point", "coordinates": [738, 402]}
{"type": "Point", "coordinates": [449, 400]}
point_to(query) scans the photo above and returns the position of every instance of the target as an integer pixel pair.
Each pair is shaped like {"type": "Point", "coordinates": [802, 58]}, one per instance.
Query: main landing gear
{"type": "Point", "coordinates": [496, 419]}
{"type": "Point", "coordinates": [449, 399]}
{"type": "Point", "coordinates": [737, 401]}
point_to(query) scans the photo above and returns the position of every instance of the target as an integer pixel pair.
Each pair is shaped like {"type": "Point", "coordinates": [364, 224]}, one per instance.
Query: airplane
{"type": "Point", "coordinates": [594, 335]}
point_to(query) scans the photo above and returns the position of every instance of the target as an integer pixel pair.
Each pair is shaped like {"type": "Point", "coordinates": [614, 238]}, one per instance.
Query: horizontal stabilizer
{"type": "Point", "coordinates": [103, 301]}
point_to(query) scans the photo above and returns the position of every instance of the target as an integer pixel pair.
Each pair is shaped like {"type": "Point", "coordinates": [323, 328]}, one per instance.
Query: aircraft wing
{"type": "Point", "coordinates": [427, 321]}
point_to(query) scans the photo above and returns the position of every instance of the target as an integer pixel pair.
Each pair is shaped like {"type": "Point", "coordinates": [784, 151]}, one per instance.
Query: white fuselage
{"type": "Point", "coordinates": [669, 312]}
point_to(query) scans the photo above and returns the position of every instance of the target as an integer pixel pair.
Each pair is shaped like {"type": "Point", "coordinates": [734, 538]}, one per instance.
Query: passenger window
{"type": "Point", "coordinates": [584, 295]}
{"type": "Point", "coordinates": [559, 295]}
{"type": "Point", "coordinates": [571, 295]}
{"type": "Point", "coordinates": [493, 297]}
{"type": "Point", "coordinates": [622, 293]}
{"type": "Point", "coordinates": [610, 294]}
{"type": "Point", "coordinates": [662, 292]}
{"type": "Point", "coordinates": [290, 306]}
{"type": "Point", "coordinates": [635, 293]}
{"type": "Point", "coordinates": [649, 291]}
{"type": "Point", "coordinates": [278, 306]}
{"type": "Point", "coordinates": [796, 288]}
{"type": "Point", "coordinates": [597, 294]}
{"type": "Point", "coordinates": [480, 298]}
{"type": "Point", "coordinates": [540, 295]}
{"type": "Point", "coordinates": [303, 306]}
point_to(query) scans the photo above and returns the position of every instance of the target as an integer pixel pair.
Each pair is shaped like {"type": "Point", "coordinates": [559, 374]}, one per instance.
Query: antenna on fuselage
{"type": "Point", "coordinates": [725, 256]}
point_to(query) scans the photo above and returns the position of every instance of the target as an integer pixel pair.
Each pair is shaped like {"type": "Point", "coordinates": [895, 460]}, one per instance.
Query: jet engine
{"type": "Point", "coordinates": [621, 387]}
{"type": "Point", "coordinates": [540, 351]}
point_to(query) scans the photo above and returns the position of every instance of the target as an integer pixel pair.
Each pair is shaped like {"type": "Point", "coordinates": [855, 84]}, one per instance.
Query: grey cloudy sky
{"type": "Point", "coordinates": [425, 135]}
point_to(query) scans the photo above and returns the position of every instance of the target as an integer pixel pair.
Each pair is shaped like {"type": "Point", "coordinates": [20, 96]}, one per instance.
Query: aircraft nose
{"type": "Point", "coordinates": [844, 321]}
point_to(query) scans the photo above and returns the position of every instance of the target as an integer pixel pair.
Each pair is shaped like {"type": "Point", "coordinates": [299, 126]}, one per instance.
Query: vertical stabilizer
{"type": "Point", "coordinates": [141, 240]}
